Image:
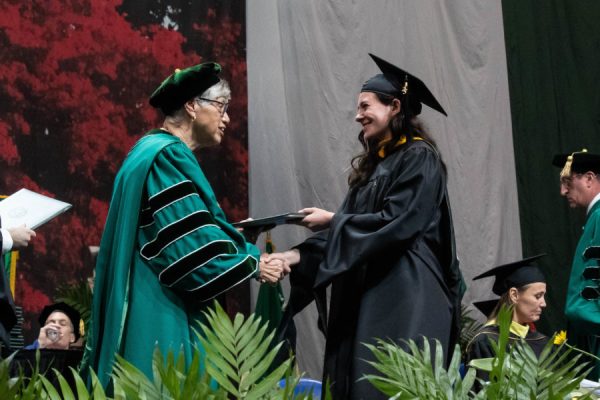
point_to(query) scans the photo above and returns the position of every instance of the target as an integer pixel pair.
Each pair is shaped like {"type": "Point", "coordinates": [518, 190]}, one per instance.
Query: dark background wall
{"type": "Point", "coordinates": [75, 77]}
{"type": "Point", "coordinates": [553, 55]}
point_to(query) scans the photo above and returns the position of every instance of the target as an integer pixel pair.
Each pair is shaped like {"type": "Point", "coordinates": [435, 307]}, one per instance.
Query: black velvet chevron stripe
{"type": "Point", "coordinates": [592, 252]}
{"type": "Point", "coordinates": [175, 231]}
{"type": "Point", "coordinates": [146, 217]}
{"type": "Point", "coordinates": [196, 259]}
{"type": "Point", "coordinates": [171, 194]}
{"type": "Point", "coordinates": [163, 199]}
{"type": "Point", "coordinates": [226, 281]}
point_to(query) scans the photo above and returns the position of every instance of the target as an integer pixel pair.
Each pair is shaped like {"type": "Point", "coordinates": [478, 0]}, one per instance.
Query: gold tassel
{"type": "Point", "coordinates": [14, 256]}
{"type": "Point", "coordinates": [405, 86]}
{"type": "Point", "coordinates": [566, 171]}
{"type": "Point", "coordinates": [82, 327]}
{"type": "Point", "coordinates": [269, 245]}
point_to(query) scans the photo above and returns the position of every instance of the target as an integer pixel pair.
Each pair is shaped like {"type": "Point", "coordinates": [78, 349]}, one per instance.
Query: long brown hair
{"type": "Point", "coordinates": [403, 123]}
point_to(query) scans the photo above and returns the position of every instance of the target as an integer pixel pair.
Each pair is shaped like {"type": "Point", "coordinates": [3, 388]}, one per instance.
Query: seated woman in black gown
{"type": "Point", "coordinates": [522, 285]}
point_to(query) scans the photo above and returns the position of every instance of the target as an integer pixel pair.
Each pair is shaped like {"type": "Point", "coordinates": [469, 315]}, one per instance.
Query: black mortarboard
{"type": "Point", "coordinates": [579, 162]}
{"type": "Point", "coordinates": [486, 306]}
{"type": "Point", "coordinates": [183, 85]}
{"type": "Point", "coordinates": [515, 274]}
{"type": "Point", "coordinates": [400, 84]}
{"type": "Point", "coordinates": [69, 311]}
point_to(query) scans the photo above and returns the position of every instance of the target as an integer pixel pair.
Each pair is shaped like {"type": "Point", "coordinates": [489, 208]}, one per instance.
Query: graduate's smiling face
{"type": "Point", "coordinates": [529, 302]}
{"type": "Point", "coordinates": [375, 116]}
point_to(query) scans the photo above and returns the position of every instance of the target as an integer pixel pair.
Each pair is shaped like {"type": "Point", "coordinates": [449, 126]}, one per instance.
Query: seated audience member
{"type": "Point", "coordinates": [10, 239]}
{"type": "Point", "coordinates": [59, 328]}
{"type": "Point", "coordinates": [521, 285]}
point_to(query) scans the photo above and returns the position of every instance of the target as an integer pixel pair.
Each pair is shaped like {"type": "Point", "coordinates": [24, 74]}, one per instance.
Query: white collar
{"type": "Point", "coordinates": [594, 201]}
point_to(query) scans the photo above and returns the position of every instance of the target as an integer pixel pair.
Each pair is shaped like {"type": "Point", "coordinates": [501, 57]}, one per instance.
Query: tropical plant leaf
{"type": "Point", "coordinates": [78, 296]}
{"type": "Point", "coordinates": [133, 382]}
{"type": "Point", "coordinates": [250, 352]}
{"type": "Point", "coordinates": [50, 391]}
{"type": "Point", "coordinates": [80, 387]}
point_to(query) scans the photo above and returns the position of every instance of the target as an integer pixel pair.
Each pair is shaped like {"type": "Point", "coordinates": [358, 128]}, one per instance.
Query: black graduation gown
{"type": "Point", "coordinates": [480, 347]}
{"type": "Point", "coordinates": [389, 256]}
{"type": "Point", "coordinates": [8, 317]}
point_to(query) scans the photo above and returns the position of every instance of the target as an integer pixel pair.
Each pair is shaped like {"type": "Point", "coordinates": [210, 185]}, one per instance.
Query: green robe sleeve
{"type": "Point", "coordinates": [585, 314]}
{"type": "Point", "coordinates": [184, 235]}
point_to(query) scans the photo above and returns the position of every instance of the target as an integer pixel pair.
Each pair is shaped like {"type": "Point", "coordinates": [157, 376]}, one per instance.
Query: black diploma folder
{"type": "Point", "coordinates": [268, 222]}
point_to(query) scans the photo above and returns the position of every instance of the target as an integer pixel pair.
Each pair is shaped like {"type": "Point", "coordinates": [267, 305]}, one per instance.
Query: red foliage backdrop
{"type": "Point", "coordinates": [75, 77]}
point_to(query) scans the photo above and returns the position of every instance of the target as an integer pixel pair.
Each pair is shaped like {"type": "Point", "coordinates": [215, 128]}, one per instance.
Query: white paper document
{"type": "Point", "coordinates": [29, 208]}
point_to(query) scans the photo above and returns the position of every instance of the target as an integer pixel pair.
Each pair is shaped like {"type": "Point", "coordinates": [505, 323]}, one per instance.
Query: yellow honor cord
{"type": "Point", "coordinates": [400, 142]}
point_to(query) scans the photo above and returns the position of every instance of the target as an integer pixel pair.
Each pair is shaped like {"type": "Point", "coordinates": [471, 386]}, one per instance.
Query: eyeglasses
{"type": "Point", "coordinates": [221, 106]}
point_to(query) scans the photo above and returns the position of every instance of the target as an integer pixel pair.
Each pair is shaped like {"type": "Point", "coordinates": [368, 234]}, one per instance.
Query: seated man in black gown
{"type": "Point", "coordinates": [59, 328]}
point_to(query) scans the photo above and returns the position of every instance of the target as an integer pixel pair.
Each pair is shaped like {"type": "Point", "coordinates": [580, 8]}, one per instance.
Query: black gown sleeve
{"type": "Point", "coordinates": [480, 347]}
{"type": "Point", "coordinates": [8, 318]}
{"type": "Point", "coordinates": [408, 207]}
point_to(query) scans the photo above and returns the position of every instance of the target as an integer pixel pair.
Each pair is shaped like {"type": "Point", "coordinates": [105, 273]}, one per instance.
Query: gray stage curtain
{"type": "Point", "coordinates": [306, 63]}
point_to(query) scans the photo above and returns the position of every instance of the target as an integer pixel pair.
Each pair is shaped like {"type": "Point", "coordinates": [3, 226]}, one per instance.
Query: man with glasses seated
{"type": "Point", "coordinates": [580, 184]}
{"type": "Point", "coordinates": [59, 328]}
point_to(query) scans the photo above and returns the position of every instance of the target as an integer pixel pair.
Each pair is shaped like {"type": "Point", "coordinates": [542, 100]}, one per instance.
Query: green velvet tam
{"type": "Point", "coordinates": [183, 85]}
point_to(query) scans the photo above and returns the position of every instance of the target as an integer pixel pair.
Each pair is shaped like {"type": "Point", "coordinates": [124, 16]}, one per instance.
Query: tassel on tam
{"type": "Point", "coordinates": [566, 171]}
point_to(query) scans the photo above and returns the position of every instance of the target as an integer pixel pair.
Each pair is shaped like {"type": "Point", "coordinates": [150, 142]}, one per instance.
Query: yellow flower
{"type": "Point", "coordinates": [560, 337]}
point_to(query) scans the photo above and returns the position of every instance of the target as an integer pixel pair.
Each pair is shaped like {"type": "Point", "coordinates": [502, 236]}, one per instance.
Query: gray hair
{"type": "Point", "coordinates": [220, 89]}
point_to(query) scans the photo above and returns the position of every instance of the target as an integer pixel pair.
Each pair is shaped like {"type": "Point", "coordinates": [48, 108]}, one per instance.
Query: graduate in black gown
{"type": "Point", "coordinates": [388, 252]}
{"type": "Point", "coordinates": [522, 285]}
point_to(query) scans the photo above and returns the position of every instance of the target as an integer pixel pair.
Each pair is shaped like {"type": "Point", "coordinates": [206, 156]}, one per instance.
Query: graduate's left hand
{"type": "Point", "coordinates": [316, 218]}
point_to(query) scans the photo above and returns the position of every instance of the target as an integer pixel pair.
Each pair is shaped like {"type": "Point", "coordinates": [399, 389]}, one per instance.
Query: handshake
{"type": "Point", "coordinates": [276, 266]}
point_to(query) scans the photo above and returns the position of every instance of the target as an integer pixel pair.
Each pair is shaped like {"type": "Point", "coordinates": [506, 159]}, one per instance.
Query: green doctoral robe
{"type": "Point", "coordinates": [166, 248]}
{"type": "Point", "coordinates": [584, 315]}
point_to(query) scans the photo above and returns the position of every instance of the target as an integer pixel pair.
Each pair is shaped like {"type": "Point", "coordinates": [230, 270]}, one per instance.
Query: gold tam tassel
{"type": "Point", "coordinates": [566, 171]}
{"type": "Point", "coordinates": [82, 327]}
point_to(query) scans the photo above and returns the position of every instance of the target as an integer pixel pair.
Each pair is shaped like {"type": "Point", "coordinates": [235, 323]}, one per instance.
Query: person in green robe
{"type": "Point", "coordinates": [580, 185]}
{"type": "Point", "coordinates": [167, 247]}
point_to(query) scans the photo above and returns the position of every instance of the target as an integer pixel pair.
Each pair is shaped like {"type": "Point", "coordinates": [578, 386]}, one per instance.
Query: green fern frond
{"type": "Point", "coordinates": [239, 354]}
{"type": "Point", "coordinates": [78, 296]}
{"type": "Point", "coordinates": [411, 374]}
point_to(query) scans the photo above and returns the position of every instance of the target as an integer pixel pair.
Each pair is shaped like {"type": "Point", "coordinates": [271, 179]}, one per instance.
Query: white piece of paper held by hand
{"type": "Point", "coordinates": [29, 208]}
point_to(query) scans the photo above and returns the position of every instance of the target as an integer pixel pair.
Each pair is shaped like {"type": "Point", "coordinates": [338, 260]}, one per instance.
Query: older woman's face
{"type": "Point", "coordinates": [374, 116]}
{"type": "Point", "coordinates": [529, 303]}
{"type": "Point", "coordinates": [211, 121]}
